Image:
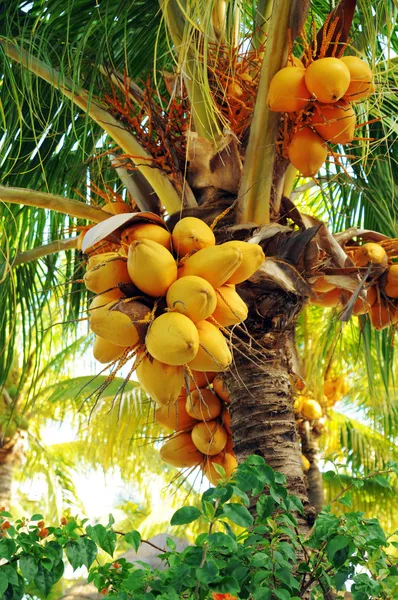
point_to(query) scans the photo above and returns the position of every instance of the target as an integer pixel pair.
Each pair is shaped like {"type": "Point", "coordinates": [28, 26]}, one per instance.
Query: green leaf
{"type": "Point", "coordinates": [346, 499]}
{"type": "Point", "coordinates": [133, 538]}
{"type": "Point", "coordinates": [261, 559]}
{"type": "Point", "coordinates": [264, 507]}
{"type": "Point", "coordinates": [221, 540]}
{"type": "Point", "coordinates": [238, 514]}
{"type": "Point", "coordinates": [382, 481]}
{"type": "Point", "coordinates": [337, 543]}
{"type": "Point", "coordinates": [185, 515]}
{"type": "Point", "coordinates": [329, 475]}
{"type": "Point", "coordinates": [226, 585]}
{"type": "Point", "coordinates": [3, 582]}
{"type": "Point", "coordinates": [282, 594]}
{"type": "Point", "coordinates": [104, 538]}
{"type": "Point", "coordinates": [208, 573]}
{"type": "Point", "coordinates": [37, 517]}
{"type": "Point", "coordinates": [262, 593]}
{"type": "Point", "coordinates": [81, 552]}
{"type": "Point", "coordinates": [7, 548]}
{"type": "Point", "coordinates": [28, 566]}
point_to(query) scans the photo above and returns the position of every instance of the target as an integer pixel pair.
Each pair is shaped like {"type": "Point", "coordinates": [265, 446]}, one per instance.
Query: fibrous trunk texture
{"type": "Point", "coordinates": [6, 468]}
{"type": "Point", "coordinates": [309, 445]}
{"type": "Point", "coordinates": [263, 421]}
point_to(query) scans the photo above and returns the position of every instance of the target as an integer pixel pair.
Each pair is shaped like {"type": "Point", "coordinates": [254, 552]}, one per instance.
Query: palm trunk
{"type": "Point", "coordinates": [263, 421]}
{"type": "Point", "coordinates": [7, 460]}
{"type": "Point", "coordinates": [310, 450]}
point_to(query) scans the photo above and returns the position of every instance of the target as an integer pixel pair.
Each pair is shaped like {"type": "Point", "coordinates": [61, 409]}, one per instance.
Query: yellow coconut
{"type": "Point", "coordinates": [369, 253]}
{"type": "Point", "coordinates": [191, 234]}
{"type": "Point", "coordinates": [335, 123]}
{"type": "Point", "coordinates": [335, 388]}
{"type": "Point", "coordinates": [106, 274]}
{"type": "Point", "coordinates": [215, 264]}
{"type": "Point", "coordinates": [151, 267]}
{"type": "Point", "coordinates": [181, 452]}
{"type": "Point", "coordinates": [305, 463]}
{"type": "Point", "coordinates": [230, 308]}
{"type": "Point", "coordinates": [117, 208]}
{"type": "Point", "coordinates": [311, 409]}
{"type": "Point", "coordinates": [160, 381]}
{"type": "Point", "coordinates": [327, 79]}
{"type": "Point", "coordinates": [221, 389]}
{"type": "Point", "coordinates": [147, 231]}
{"type": "Point", "coordinates": [192, 296]}
{"type": "Point", "coordinates": [106, 352]}
{"type": "Point", "coordinates": [103, 299]}
{"type": "Point", "coordinates": [288, 91]}
{"type": "Point", "coordinates": [226, 460]}
{"type": "Point", "coordinates": [382, 316]}
{"type": "Point", "coordinates": [200, 380]}
{"type": "Point", "coordinates": [252, 258]}
{"type": "Point", "coordinates": [361, 84]}
{"type": "Point", "coordinates": [209, 437]}
{"type": "Point", "coordinates": [173, 339]}
{"type": "Point", "coordinates": [234, 90]}
{"type": "Point", "coordinates": [174, 416]}
{"type": "Point", "coordinates": [203, 405]}
{"type": "Point", "coordinates": [213, 354]}
{"type": "Point", "coordinates": [226, 421]}
{"type": "Point", "coordinates": [99, 259]}
{"type": "Point", "coordinates": [295, 62]}
{"type": "Point", "coordinates": [307, 152]}
{"type": "Point", "coordinates": [119, 322]}
{"type": "Point", "coordinates": [322, 285]}
{"type": "Point", "coordinates": [328, 299]}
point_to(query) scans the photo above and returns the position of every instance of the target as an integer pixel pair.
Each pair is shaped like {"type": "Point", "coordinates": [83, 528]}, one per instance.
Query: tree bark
{"type": "Point", "coordinates": [6, 467]}
{"type": "Point", "coordinates": [263, 420]}
{"type": "Point", "coordinates": [309, 445]}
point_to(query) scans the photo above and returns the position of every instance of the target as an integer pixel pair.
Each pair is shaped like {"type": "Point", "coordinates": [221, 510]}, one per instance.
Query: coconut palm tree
{"type": "Point", "coordinates": [168, 103]}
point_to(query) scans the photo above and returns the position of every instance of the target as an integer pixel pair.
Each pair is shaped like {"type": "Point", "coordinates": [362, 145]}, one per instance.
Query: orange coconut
{"type": "Point", "coordinates": [361, 83]}
{"type": "Point", "coordinates": [288, 91]}
{"type": "Point", "coordinates": [382, 316]}
{"type": "Point", "coordinates": [116, 208]}
{"type": "Point", "coordinates": [213, 354]}
{"type": "Point", "coordinates": [209, 437]}
{"type": "Point", "coordinates": [369, 253]}
{"type": "Point", "coordinates": [181, 452]}
{"type": "Point", "coordinates": [327, 79]}
{"type": "Point", "coordinates": [322, 285]}
{"type": "Point", "coordinates": [203, 405]}
{"type": "Point", "coordinates": [226, 421]}
{"type": "Point", "coordinates": [227, 461]}
{"type": "Point", "coordinates": [221, 389]}
{"type": "Point", "coordinates": [295, 62]}
{"type": "Point", "coordinates": [335, 123]}
{"type": "Point", "coordinates": [328, 299]}
{"type": "Point", "coordinates": [147, 231]}
{"type": "Point", "coordinates": [200, 380]}
{"type": "Point", "coordinates": [371, 295]}
{"type": "Point", "coordinates": [174, 416]}
{"type": "Point", "coordinates": [307, 152]}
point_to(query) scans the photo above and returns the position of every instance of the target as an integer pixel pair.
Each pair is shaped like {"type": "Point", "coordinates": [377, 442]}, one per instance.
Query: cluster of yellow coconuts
{"type": "Point", "coordinates": [320, 96]}
{"type": "Point", "coordinates": [166, 300]}
{"type": "Point", "coordinates": [381, 291]}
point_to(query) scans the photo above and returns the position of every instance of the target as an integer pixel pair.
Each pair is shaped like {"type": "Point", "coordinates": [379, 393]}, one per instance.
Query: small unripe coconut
{"type": "Point", "coordinates": [209, 437]}
{"type": "Point", "coordinates": [213, 354]}
{"type": "Point", "coordinates": [174, 416]}
{"type": "Point", "coordinates": [228, 462]}
{"type": "Point", "coordinates": [203, 405]}
{"type": "Point", "coordinates": [305, 463]}
{"type": "Point", "coordinates": [252, 258]}
{"type": "Point", "coordinates": [160, 381]}
{"type": "Point", "coordinates": [335, 388]}
{"type": "Point", "coordinates": [288, 91]}
{"type": "Point", "coordinates": [106, 274]}
{"type": "Point", "coordinates": [119, 322]}
{"type": "Point", "coordinates": [335, 123]}
{"type": "Point", "coordinates": [361, 83]}
{"type": "Point", "coordinates": [382, 316]}
{"type": "Point", "coordinates": [234, 90]}
{"type": "Point", "coordinates": [147, 231]}
{"type": "Point", "coordinates": [322, 285]}
{"type": "Point", "coordinates": [328, 299]}
{"type": "Point", "coordinates": [181, 452]}
{"type": "Point", "coordinates": [215, 264]}
{"type": "Point", "coordinates": [106, 352]}
{"type": "Point", "coordinates": [230, 308]}
{"type": "Point", "coordinates": [221, 389]}
{"type": "Point", "coordinates": [200, 380]}
{"type": "Point", "coordinates": [327, 79]}
{"type": "Point", "coordinates": [152, 267]}
{"type": "Point", "coordinates": [311, 409]}
{"type": "Point", "coordinates": [191, 234]}
{"type": "Point", "coordinates": [192, 296]}
{"type": "Point", "coordinates": [370, 253]}
{"type": "Point", "coordinates": [116, 208]}
{"type": "Point", "coordinates": [173, 339]}
{"type": "Point", "coordinates": [307, 152]}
